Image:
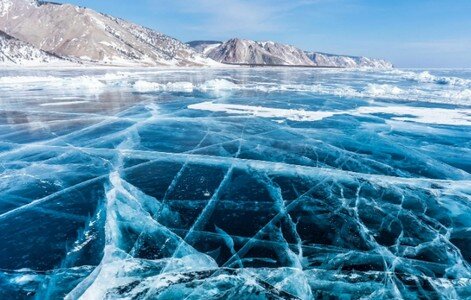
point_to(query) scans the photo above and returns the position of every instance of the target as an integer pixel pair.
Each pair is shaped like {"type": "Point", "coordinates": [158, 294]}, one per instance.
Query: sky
{"type": "Point", "coordinates": [409, 33]}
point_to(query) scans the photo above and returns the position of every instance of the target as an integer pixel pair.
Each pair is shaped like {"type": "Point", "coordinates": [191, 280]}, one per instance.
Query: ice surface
{"type": "Point", "coordinates": [234, 184]}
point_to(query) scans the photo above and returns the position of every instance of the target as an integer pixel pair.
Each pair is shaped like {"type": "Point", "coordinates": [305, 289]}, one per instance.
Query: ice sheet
{"type": "Point", "coordinates": [234, 184]}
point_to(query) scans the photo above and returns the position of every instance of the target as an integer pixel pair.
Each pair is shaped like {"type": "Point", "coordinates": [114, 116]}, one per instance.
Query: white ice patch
{"type": "Point", "coordinates": [145, 86]}
{"type": "Point", "coordinates": [402, 113]}
{"type": "Point", "coordinates": [425, 115]}
{"type": "Point", "coordinates": [210, 85]}
{"type": "Point", "coordinates": [387, 91]}
{"type": "Point", "coordinates": [64, 103]}
{"type": "Point", "coordinates": [24, 279]}
{"type": "Point", "coordinates": [81, 82]}
{"type": "Point", "coordinates": [426, 77]}
{"type": "Point", "coordinates": [218, 84]}
{"type": "Point", "coordinates": [95, 82]}
{"type": "Point", "coordinates": [264, 112]}
{"type": "Point", "coordinates": [382, 90]}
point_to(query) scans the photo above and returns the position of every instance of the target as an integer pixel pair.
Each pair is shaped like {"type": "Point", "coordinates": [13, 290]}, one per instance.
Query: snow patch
{"type": "Point", "coordinates": [458, 117]}
{"type": "Point", "coordinates": [263, 112]}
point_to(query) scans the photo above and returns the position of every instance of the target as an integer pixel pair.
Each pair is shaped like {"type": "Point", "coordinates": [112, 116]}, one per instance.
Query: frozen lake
{"type": "Point", "coordinates": [250, 183]}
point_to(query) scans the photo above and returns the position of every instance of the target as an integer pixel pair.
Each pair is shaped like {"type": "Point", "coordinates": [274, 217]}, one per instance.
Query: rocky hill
{"type": "Point", "coordinates": [82, 33]}
{"type": "Point", "coordinates": [238, 51]}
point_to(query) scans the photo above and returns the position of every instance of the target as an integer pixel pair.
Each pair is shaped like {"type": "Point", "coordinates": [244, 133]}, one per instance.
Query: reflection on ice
{"type": "Point", "coordinates": [248, 184]}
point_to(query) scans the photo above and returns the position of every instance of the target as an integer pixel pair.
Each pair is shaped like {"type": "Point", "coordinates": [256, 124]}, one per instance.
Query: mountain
{"type": "Point", "coordinates": [16, 52]}
{"type": "Point", "coordinates": [83, 35]}
{"type": "Point", "coordinates": [239, 51]}
{"type": "Point", "coordinates": [77, 32]}
{"type": "Point", "coordinates": [344, 61]}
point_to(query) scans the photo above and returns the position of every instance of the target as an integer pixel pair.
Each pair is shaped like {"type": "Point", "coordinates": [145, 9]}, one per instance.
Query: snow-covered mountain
{"type": "Point", "coordinates": [238, 51]}
{"type": "Point", "coordinates": [16, 52]}
{"type": "Point", "coordinates": [82, 33]}
{"type": "Point", "coordinates": [344, 61]}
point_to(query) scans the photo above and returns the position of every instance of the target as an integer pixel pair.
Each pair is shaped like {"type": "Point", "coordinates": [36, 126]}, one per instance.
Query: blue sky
{"type": "Point", "coordinates": [410, 33]}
